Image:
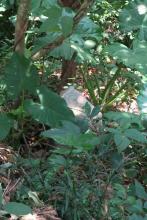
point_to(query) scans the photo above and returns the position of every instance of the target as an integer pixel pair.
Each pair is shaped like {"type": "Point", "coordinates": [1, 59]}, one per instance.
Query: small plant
{"type": "Point", "coordinates": [17, 209]}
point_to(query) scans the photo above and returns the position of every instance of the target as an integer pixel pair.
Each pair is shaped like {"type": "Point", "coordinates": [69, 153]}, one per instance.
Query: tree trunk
{"type": "Point", "coordinates": [74, 4]}
{"type": "Point", "coordinates": [69, 68]}
{"type": "Point", "coordinates": [21, 25]}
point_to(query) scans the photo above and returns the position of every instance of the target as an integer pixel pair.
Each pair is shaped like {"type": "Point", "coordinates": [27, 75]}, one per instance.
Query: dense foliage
{"type": "Point", "coordinates": [92, 167]}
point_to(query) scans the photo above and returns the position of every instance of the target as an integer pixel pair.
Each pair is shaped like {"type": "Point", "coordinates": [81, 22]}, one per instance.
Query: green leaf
{"type": "Point", "coordinates": [145, 205]}
{"type": "Point", "coordinates": [35, 6]}
{"type": "Point", "coordinates": [49, 3]}
{"type": "Point", "coordinates": [121, 141]}
{"type": "Point", "coordinates": [137, 207]}
{"type": "Point", "coordinates": [65, 51]}
{"type": "Point", "coordinates": [142, 104]}
{"type": "Point", "coordinates": [82, 53]}
{"type": "Point", "coordinates": [44, 41]}
{"type": "Point", "coordinates": [135, 135]}
{"type": "Point", "coordinates": [95, 111]}
{"type": "Point", "coordinates": [69, 135]}
{"type": "Point", "coordinates": [54, 14]}
{"type": "Point", "coordinates": [5, 125]}
{"type": "Point", "coordinates": [50, 25]}
{"type": "Point", "coordinates": [67, 25]}
{"type": "Point", "coordinates": [20, 76]}
{"type": "Point", "coordinates": [121, 117]}
{"type": "Point", "coordinates": [136, 217]}
{"type": "Point", "coordinates": [57, 161]}
{"type": "Point", "coordinates": [133, 58]}
{"type": "Point", "coordinates": [17, 209]}
{"type": "Point", "coordinates": [40, 7]}
{"type": "Point", "coordinates": [140, 191]}
{"type": "Point", "coordinates": [117, 160]}
{"type": "Point", "coordinates": [121, 52]}
{"type": "Point", "coordinates": [142, 100]}
{"type": "Point", "coordinates": [51, 110]}
{"type": "Point", "coordinates": [120, 190]}
{"type": "Point", "coordinates": [86, 27]}
{"type": "Point", "coordinates": [88, 141]}
{"type": "Point", "coordinates": [87, 109]}
{"type": "Point", "coordinates": [134, 17]}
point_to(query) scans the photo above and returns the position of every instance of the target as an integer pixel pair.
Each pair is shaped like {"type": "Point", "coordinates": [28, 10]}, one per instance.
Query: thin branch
{"type": "Point", "coordinates": [82, 11]}
{"type": "Point", "coordinates": [79, 15]}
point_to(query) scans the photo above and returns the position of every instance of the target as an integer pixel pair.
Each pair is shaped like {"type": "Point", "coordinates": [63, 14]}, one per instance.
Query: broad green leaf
{"type": "Point", "coordinates": [17, 209]}
{"type": "Point", "coordinates": [139, 55]}
{"type": "Point", "coordinates": [142, 100]}
{"type": "Point", "coordinates": [136, 217]}
{"type": "Point", "coordinates": [15, 74]}
{"type": "Point", "coordinates": [51, 109]}
{"type": "Point", "coordinates": [86, 27]}
{"type": "Point", "coordinates": [120, 52]}
{"type": "Point", "coordinates": [77, 39]}
{"type": "Point", "coordinates": [40, 7]}
{"type": "Point", "coordinates": [67, 25]}
{"type": "Point", "coordinates": [140, 190]}
{"type": "Point", "coordinates": [51, 24]}
{"type": "Point", "coordinates": [88, 141]}
{"type": "Point", "coordinates": [64, 135]}
{"type": "Point", "coordinates": [145, 205]}
{"type": "Point", "coordinates": [67, 21]}
{"type": "Point", "coordinates": [135, 135]}
{"type": "Point", "coordinates": [49, 3]}
{"type": "Point", "coordinates": [133, 58]}
{"type": "Point", "coordinates": [142, 104]}
{"type": "Point", "coordinates": [116, 116]}
{"type": "Point", "coordinates": [82, 53]}
{"type": "Point", "coordinates": [65, 51]}
{"type": "Point", "coordinates": [137, 207]}
{"type": "Point", "coordinates": [5, 125]}
{"type": "Point", "coordinates": [20, 76]}
{"type": "Point", "coordinates": [67, 128]}
{"type": "Point", "coordinates": [44, 41]}
{"type": "Point", "coordinates": [35, 5]}
{"type": "Point", "coordinates": [121, 141]}
{"type": "Point", "coordinates": [69, 135]}
{"type": "Point", "coordinates": [134, 17]}
{"type": "Point", "coordinates": [119, 117]}
{"type": "Point", "coordinates": [69, 46]}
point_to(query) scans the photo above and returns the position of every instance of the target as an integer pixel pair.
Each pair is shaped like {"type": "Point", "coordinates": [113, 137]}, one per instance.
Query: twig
{"type": "Point", "coordinates": [79, 15]}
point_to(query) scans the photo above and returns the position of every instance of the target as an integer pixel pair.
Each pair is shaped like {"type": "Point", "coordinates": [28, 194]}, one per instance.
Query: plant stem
{"type": "Point", "coordinates": [109, 87]}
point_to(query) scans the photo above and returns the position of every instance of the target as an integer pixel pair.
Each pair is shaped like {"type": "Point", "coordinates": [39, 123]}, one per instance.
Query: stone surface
{"type": "Point", "coordinates": [75, 101]}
